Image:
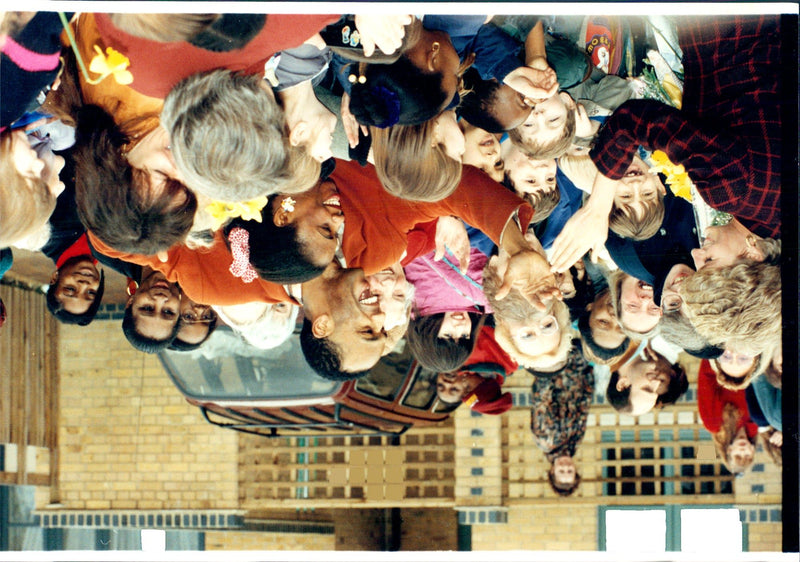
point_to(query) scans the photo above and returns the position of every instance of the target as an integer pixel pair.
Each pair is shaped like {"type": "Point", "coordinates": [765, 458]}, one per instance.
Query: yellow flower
{"type": "Point", "coordinates": [115, 64]}
{"type": "Point", "coordinates": [677, 178]}
{"type": "Point", "coordinates": [221, 211]}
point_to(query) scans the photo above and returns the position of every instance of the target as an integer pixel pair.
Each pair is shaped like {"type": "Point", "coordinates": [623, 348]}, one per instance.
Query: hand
{"type": "Point", "coordinates": [583, 125]}
{"type": "Point", "coordinates": [586, 230]}
{"type": "Point", "coordinates": [529, 273]}
{"type": "Point", "coordinates": [381, 31]}
{"type": "Point", "coordinates": [776, 439]}
{"type": "Point", "coordinates": [532, 83]}
{"type": "Point", "coordinates": [349, 122]}
{"type": "Point", "coordinates": [451, 234]}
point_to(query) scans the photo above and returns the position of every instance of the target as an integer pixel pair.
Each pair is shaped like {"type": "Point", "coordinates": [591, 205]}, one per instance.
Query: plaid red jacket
{"type": "Point", "coordinates": [728, 132]}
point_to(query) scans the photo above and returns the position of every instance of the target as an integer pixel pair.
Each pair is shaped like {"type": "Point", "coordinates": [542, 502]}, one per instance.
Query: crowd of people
{"type": "Point", "coordinates": [510, 192]}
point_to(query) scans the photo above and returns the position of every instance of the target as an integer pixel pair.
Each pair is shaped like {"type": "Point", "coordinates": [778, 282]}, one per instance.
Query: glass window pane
{"type": "Point", "coordinates": [713, 531]}
{"type": "Point", "coordinates": [636, 530]}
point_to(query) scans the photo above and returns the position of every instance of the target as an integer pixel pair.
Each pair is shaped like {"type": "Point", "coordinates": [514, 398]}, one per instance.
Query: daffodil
{"type": "Point", "coordinates": [220, 211]}
{"type": "Point", "coordinates": [677, 177]}
{"type": "Point", "coordinates": [113, 63]}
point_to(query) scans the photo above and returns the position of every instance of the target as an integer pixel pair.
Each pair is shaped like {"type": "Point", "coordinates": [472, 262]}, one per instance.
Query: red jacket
{"type": "Point", "coordinates": [157, 67]}
{"type": "Point", "coordinates": [203, 274]}
{"type": "Point", "coordinates": [711, 400]}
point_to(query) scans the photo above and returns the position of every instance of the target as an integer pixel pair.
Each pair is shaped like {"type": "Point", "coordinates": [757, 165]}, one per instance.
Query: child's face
{"type": "Point", "coordinates": [448, 133]}
{"type": "Point", "coordinates": [546, 122]}
{"type": "Point", "coordinates": [455, 326]}
{"type": "Point", "coordinates": [38, 163]}
{"type": "Point", "coordinates": [509, 108]}
{"type": "Point", "coordinates": [195, 320]}
{"type": "Point", "coordinates": [453, 387]}
{"type": "Point", "coordinates": [638, 312]}
{"type": "Point", "coordinates": [638, 188]}
{"type": "Point", "coordinates": [604, 325]}
{"type": "Point", "coordinates": [76, 284]}
{"type": "Point", "coordinates": [482, 150]}
{"type": "Point", "coordinates": [529, 175]}
{"type": "Point", "coordinates": [155, 306]}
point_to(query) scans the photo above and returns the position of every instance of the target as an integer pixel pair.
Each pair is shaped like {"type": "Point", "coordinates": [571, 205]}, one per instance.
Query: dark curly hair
{"type": "Point", "coordinates": [275, 253]}
{"type": "Point", "coordinates": [65, 317]}
{"type": "Point", "coordinates": [141, 342]}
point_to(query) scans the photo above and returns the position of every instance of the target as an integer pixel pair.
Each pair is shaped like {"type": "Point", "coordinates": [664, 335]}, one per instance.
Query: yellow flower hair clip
{"type": "Point", "coordinates": [112, 63]}
{"type": "Point", "coordinates": [220, 211]}
{"type": "Point", "coordinates": [677, 177]}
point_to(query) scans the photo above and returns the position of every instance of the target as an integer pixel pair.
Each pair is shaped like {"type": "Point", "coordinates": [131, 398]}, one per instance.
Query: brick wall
{"type": "Point", "coordinates": [127, 437]}
{"type": "Point", "coordinates": [238, 540]}
{"type": "Point", "coordinates": [543, 527]}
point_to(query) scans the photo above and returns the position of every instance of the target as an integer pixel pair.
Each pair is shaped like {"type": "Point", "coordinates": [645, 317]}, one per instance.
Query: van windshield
{"type": "Point", "coordinates": [227, 368]}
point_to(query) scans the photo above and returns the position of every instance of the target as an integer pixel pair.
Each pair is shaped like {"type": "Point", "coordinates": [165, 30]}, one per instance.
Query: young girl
{"type": "Point", "coordinates": [449, 309]}
{"type": "Point", "coordinates": [724, 413]}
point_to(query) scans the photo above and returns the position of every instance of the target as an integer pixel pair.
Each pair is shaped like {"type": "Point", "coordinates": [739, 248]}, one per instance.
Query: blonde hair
{"type": "Point", "coordinates": [25, 203]}
{"type": "Point", "coordinates": [409, 164]}
{"type": "Point", "coordinates": [515, 308]}
{"type": "Point", "coordinates": [738, 305]}
{"type": "Point", "coordinates": [579, 169]}
{"type": "Point", "coordinates": [165, 28]}
{"type": "Point", "coordinates": [552, 149]}
{"type": "Point", "coordinates": [615, 280]}
{"type": "Point", "coordinates": [726, 435]}
{"type": "Point", "coordinates": [627, 224]}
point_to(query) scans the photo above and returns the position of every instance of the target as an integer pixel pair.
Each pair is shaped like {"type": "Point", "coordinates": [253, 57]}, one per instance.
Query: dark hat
{"type": "Point", "coordinates": [487, 398]}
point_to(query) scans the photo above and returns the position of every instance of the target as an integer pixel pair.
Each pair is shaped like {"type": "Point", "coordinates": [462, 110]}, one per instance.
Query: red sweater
{"type": "Point", "coordinates": [711, 400]}
{"type": "Point", "coordinates": [157, 67]}
{"type": "Point", "coordinates": [377, 224]}
{"type": "Point", "coordinates": [203, 274]}
{"type": "Point", "coordinates": [487, 350]}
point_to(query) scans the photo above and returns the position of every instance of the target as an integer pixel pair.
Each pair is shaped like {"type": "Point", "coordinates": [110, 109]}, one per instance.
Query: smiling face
{"type": "Point", "coordinates": [722, 247]}
{"type": "Point", "coordinates": [638, 189]}
{"type": "Point", "coordinates": [196, 320]}
{"type": "Point", "coordinates": [741, 452]}
{"type": "Point", "coordinates": [155, 306]}
{"type": "Point", "coordinates": [528, 175]}
{"type": "Point", "coordinates": [734, 364]}
{"type": "Point", "coordinates": [76, 283]}
{"type": "Point", "coordinates": [392, 289]}
{"type": "Point", "coordinates": [317, 216]}
{"type": "Point", "coordinates": [547, 120]}
{"type": "Point", "coordinates": [455, 326]}
{"type": "Point", "coordinates": [342, 307]}
{"type": "Point", "coordinates": [638, 311]}
{"type": "Point", "coordinates": [671, 299]}
{"type": "Point", "coordinates": [539, 336]}
{"type": "Point", "coordinates": [564, 470]}
{"type": "Point", "coordinates": [447, 133]}
{"type": "Point", "coordinates": [605, 328]}
{"type": "Point", "coordinates": [482, 150]}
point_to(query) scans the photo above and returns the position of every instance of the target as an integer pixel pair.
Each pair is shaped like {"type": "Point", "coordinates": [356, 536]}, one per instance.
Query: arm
{"type": "Point", "coordinates": [718, 164]}
{"type": "Point", "coordinates": [708, 400]}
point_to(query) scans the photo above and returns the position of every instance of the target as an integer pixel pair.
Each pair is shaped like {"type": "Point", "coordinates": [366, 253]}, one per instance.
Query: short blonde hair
{"type": "Point", "coordinates": [25, 203]}
{"type": "Point", "coordinates": [514, 307]}
{"type": "Point", "coordinates": [627, 224]}
{"type": "Point", "coordinates": [410, 166]}
{"type": "Point", "coordinates": [738, 305]}
{"type": "Point", "coordinates": [544, 151]}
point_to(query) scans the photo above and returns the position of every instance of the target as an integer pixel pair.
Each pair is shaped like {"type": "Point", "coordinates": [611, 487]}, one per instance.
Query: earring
{"type": "Point", "coordinates": [288, 204]}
